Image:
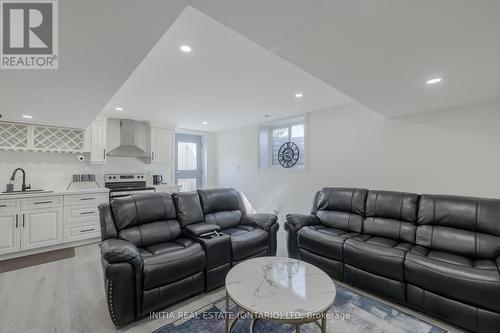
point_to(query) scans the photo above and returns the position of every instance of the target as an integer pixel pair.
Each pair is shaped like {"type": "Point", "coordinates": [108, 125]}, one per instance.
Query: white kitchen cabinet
{"type": "Point", "coordinates": [98, 142]}
{"type": "Point", "coordinates": [33, 222]}
{"type": "Point", "coordinates": [43, 227]}
{"type": "Point", "coordinates": [82, 216]}
{"type": "Point", "coordinates": [27, 137]}
{"type": "Point", "coordinates": [9, 233]}
{"type": "Point", "coordinates": [162, 141]}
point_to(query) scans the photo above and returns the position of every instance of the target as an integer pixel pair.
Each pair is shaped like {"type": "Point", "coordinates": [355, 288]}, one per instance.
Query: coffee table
{"type": "Point", "coordinates": [280, 289]}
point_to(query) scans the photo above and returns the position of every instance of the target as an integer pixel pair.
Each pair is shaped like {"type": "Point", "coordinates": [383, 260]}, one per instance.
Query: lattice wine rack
{"type": "Point", "coordinates": [13, 136]}
{"type": "Point", "coordinates": [16, 136]}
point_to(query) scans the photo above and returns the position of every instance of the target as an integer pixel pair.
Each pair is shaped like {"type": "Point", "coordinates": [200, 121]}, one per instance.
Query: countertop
{"type": "Point", "coordinates": [56, 192]}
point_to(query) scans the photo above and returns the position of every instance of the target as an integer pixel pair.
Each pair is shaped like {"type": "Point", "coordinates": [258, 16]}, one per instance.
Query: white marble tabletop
{"type": "Point", "coordinates": [280, 288]}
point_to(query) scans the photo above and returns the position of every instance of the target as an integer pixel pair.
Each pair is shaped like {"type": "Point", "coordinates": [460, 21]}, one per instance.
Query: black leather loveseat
{"type": "Point", "coordinates": [438, 254]}
{"type": "Point", "coordinates": [152, 258]}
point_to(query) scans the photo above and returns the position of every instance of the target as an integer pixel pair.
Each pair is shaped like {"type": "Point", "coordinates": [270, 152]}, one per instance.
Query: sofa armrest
{"type": "Point", "coordinates": [294, 222]}
{"type": "Point", "coordinates": [262, 221]}
{"type": "Point", "coordinates": [297, 221]}
{"type": "Point", "coordinates": [119, 250]}
{"type": "Point", "coordinates": [198, 229]}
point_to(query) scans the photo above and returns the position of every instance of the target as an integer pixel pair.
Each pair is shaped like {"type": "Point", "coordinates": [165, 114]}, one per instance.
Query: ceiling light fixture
{"type": "Point", "coordinates": [434, 81]}
{"type": "Point", "coordinates": [205, 123]}
{"type": "Point", "coordinates": [299, 95]}
{"type": "Point", "coordinates": [27, 116]}
{"type": "Point", "coordinates": [185, 48]}
{"type": "Point", "coordinates": [118, 108]}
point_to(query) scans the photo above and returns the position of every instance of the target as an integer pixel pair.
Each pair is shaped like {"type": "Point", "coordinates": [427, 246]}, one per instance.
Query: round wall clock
{"type": "Point", "coordinates": [288, 155]}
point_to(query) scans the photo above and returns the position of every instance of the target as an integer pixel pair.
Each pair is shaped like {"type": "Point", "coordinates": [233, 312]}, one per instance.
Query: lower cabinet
{"type": "Point", "coordinates": [42, 228]}
{"type": "Point", "coordinates": [9, 233]}
{"type": "Point", "coordinates": [39, 222]}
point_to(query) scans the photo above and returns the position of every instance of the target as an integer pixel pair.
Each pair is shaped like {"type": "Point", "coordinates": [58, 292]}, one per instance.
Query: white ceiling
{"type": "Point", "coordinates": [100, 44]}
{"type": "Point", "coordinates": [378, 52]}
{"type": "Point", "coordinates": [381, 52]}
{"type": "Point", "coordinates": [227, 81]}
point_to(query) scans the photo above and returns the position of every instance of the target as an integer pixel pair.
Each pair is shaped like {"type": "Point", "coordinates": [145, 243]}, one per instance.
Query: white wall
{"type": "Point", "coordinates": [54, 171]}
{"type": "Point", "coordinates": [353, 146]}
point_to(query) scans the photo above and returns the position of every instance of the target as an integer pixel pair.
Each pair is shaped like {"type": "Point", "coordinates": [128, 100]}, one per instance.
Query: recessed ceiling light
{"type": "Point", "coordinates": [27, 116]}
{"type": "Point", "coordinates": [185, 48]}
{"type": "Point", "coordinates": [118, 108]}
{"type": "Point", "coordinates": [205, 123]}
{"type": "Point", "coordinates": [434, 81]}
{"type": "Point", "coordinates": [299, 95]}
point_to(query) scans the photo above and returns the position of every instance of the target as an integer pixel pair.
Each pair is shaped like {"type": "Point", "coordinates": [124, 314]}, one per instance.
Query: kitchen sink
{"type": "Point", "coordinates": [26, 192]}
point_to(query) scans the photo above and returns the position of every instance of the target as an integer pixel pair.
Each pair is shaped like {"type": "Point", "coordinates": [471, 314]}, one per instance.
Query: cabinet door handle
{"type": "Point", "coordinates": [153, 155]}
{"type": "Point", "coordinates": [104, 155]}
{"type": "Point", "coordinates": [17, 221]}
{"type": "Point", "coordinates": [86, 213]}
{"type": "Point", "coordinates": [3, 205]}
{"type": "Point", "coordinates": [42, 202]}
{"type": "Point", "coordinates": [87, 230]}
{"type": "Point", "coordinates": [83, 199]}
{"type": "Point", "coordinates": [23, 220]}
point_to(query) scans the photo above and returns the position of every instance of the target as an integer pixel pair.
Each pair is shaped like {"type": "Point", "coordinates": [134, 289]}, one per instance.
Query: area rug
{"type": "Point", "coordinates": [352, 313]}
{"type": "Point", "coordinates": [36, 259]}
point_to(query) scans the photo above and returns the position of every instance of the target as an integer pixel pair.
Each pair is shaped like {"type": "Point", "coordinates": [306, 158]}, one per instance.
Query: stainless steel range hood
{"type": "Point", "coordinates": [128, 146]}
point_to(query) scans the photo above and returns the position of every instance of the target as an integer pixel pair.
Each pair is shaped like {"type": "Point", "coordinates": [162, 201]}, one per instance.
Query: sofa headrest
{"type": "Point", "coordinates": [188, 207]}
{"type": "Point", "coordinates": [400, 206]}
{"type": "Point", "coordinates": [142, 208]}
{"type": "Point", "coordinates": [474, 214]}
{"type": "Point", "coordinates": [351, 200]}
{"type": "Point", "coordinates": [220, 199]}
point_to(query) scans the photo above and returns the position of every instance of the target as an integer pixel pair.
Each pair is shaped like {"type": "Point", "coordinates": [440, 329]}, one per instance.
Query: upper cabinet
{"type": "Point", "coordinates": [162, 142]}
{"type": "Point", "coordinates": [27, 137]}
{"type": "Point", "coordinates": [156, 140]}
{"type": "Point", "coordinates": [96, 136]}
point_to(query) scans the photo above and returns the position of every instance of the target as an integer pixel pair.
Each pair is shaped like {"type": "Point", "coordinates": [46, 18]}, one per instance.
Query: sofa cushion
{"type": "Point", "coordinates": [225, 219]}
{"type": "Point", "coordinates": [247, 241]}
{"type": "Point", "coordinates": [391, 215]}
{"type": "Point", "coordinates": [377, 255]}
{"type": "Point", "coordinates": [469, 227]}
{"type": "Point", "coordinates": [188, 207]}
{"type": "Point", "coordinates": [151, 233]}
{"type": "Point", "coordinates": [219, 199]}
{"type": "Point", "coordinates": [138, 209]}
{"type": "Point", "coordinates": [171, 261]}
{"type": "Point", "coordinates": [324, 241]}
{"type": "Point", "coordinates": [341, 208]}
{"type": "Point", "coordinates": [471, 281]}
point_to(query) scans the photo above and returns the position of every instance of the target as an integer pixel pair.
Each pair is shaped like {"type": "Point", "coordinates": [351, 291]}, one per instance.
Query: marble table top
{"type": "Point", "coordinates": [280, 288]}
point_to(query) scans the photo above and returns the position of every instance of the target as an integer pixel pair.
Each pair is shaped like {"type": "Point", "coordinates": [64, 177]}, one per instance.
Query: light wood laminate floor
{"type": "Point", "coordinates": [68, 296]}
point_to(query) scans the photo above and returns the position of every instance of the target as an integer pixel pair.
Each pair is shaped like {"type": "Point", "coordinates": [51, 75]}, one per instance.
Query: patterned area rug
{"type": "Point", "coordinates": [352, 312]}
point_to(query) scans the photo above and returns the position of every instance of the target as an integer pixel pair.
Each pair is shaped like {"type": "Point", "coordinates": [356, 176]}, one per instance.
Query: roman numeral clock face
{"type": "Point", "coordinates": [288, 155]}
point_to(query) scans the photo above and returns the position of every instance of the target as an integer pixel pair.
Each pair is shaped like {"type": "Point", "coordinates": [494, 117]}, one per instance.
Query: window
{"type": "Point", "coordinates": [273, 135]}
{"type": "Point", "coordinates": [188, 166]}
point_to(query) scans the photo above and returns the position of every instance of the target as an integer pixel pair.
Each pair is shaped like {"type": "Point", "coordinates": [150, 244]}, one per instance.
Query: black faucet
{"type": "Point", "coordinates": [24, 186]}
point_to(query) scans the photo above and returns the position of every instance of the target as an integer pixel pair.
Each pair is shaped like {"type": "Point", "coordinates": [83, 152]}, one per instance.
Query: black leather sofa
{"type": "Point", "coordinates": [154, 252]}
{"type": "Point", "coordinates": [438, 254]}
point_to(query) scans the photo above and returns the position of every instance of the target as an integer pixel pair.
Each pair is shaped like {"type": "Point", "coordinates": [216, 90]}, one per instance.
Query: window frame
{"type": "Point", "coordinates": [266, 164]}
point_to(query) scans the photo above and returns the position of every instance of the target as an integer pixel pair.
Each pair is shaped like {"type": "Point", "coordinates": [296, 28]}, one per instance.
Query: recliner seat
{"type": "Point", "coordinates": [438, 254]}
{"type": "Point", "coordinates": [147, 264]}
{"type": "Point", "coordinates": [337, 215]}
{"type": "Point", "coordinates": [455, 263]}
{"type": "Point", "coordinates": [252, 235]}
{"type": "Point", "coordinates": [375, 259]}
